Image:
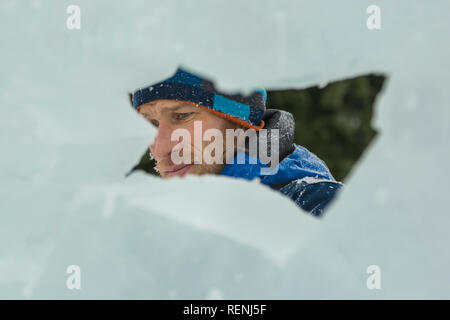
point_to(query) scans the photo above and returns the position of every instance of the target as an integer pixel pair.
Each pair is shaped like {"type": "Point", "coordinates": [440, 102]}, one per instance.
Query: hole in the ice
{"type": "Point", "coordinates": [333, 122]}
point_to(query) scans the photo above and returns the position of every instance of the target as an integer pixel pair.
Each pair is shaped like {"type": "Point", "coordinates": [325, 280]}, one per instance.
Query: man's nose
{"type": "Point", "coordinates": [162, 146]}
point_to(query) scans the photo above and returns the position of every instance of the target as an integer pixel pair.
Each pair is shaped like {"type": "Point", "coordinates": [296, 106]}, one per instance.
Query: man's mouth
{"type": "Point", "coordinates": [178, 170]}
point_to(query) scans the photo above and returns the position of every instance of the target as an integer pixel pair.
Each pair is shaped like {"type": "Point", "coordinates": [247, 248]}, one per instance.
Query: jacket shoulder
{"type": "Point", "coordinates": [312, 194]}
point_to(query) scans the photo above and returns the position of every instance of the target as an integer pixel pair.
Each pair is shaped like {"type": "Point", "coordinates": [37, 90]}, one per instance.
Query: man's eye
{"type": "Point", "coordinates": [182, 116]}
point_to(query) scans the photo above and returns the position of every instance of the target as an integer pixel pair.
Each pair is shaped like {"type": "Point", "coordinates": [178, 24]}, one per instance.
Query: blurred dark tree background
{"type": "Point", "coordinates": [333, 122]}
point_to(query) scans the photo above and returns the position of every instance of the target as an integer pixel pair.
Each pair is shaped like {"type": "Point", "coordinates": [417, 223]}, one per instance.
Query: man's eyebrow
{"type": "Point", "coordinates": [175, 107]}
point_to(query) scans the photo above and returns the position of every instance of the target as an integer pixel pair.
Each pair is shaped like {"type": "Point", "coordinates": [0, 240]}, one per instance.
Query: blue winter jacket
{"type": "Point", "coordinates": [301, 175]}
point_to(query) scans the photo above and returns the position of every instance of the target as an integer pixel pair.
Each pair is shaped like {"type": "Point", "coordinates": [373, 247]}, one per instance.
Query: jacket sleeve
{"type": "Point", "coordinates": [312, 196]}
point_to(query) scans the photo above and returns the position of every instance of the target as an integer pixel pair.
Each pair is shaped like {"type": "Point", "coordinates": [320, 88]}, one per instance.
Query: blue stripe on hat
{"type": "Point", "coordinates": [231, 107]}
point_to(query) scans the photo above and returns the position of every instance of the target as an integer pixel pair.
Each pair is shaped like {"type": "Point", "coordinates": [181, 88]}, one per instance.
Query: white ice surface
{"type": "Point", "coordinates": [68, 136]}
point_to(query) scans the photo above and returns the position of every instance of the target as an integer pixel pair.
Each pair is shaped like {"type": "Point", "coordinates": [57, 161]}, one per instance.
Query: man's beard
{"type": "Point", "coordinates": [196, 168]}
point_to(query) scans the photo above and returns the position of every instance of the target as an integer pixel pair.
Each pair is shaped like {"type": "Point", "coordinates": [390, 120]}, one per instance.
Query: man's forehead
{"type": "Point", "coordinates": [158, 106]}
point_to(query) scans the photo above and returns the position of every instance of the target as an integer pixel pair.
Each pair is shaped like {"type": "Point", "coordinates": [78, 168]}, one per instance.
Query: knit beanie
{"type": "Point", "coordinates": [246, 110]}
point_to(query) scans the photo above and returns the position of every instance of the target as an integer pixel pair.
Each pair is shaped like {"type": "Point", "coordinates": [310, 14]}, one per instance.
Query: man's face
{"type": "Point", "coordinates": [169, 115]}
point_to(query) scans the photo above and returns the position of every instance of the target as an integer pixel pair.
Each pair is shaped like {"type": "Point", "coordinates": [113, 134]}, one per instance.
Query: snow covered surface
{"type": "Point", "coordinates": [68, 137]}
